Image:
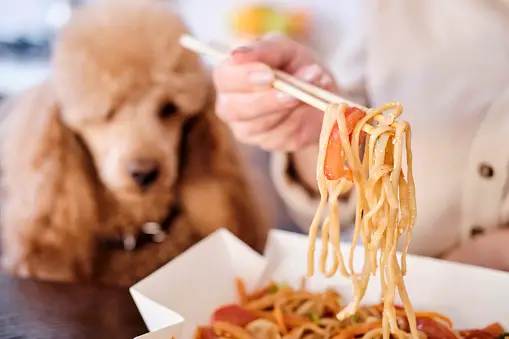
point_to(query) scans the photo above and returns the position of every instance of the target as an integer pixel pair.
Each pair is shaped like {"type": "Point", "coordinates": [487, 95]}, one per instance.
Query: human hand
{"type": "Point", "coordinates": [490, 250]}
{"type": "Point", "coordinates": [259, 114]}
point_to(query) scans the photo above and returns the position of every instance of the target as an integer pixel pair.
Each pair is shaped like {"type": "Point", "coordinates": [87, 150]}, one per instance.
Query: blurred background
{"type": "Point", "coordinates": [28, 28]}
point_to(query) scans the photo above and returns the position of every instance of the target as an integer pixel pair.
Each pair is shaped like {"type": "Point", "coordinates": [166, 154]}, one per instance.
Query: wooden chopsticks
{"type": "Point", "coordinates": [284, 82]}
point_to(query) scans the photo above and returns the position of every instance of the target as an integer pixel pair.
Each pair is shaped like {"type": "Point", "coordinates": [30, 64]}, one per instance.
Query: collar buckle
{"type": "Point", "coordinates": [129, 242]}
{"type": "Point", "coordinates": [155, 230]}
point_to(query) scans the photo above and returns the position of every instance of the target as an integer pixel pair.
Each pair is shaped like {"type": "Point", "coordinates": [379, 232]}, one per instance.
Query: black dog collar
{"type": "Point", "coordinates": [149, 233]}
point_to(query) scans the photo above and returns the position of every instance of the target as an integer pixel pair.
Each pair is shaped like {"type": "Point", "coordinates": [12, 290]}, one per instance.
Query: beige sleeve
{"type": "Point", "coordinates": [301, 205]}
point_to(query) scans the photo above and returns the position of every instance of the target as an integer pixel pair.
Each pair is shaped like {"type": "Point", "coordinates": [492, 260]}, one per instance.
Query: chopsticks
{"type": "Point", "coordinates": [305, 92]}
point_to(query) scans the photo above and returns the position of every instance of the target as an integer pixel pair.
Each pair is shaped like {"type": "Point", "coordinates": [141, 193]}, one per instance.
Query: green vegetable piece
{"type": "Point", "coordinates": [314, 317]}
{"type": "Point", "coordinates": [273, 289]}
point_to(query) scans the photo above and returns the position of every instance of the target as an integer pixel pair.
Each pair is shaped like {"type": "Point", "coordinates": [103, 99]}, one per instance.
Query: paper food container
{"type": "Point", "coordinates": [185, 292]}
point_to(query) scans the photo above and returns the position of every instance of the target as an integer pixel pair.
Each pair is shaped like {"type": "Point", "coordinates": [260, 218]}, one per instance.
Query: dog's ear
{"type": "Point", "coordinates": [48, 204]}
{"type": "Point", "coordinates": [215, 183]}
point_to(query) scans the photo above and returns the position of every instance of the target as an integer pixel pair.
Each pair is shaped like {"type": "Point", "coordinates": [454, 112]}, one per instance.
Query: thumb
{"type": "Point", "coordinates": [276, 51]}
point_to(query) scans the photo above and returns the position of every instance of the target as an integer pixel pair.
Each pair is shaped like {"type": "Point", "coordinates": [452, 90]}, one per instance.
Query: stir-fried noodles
{"type": "Point", "coordinates": [277, 311]}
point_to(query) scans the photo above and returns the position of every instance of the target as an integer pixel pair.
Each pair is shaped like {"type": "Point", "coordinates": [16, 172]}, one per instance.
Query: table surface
{"type": "Point", "coordinates": [37, 310]}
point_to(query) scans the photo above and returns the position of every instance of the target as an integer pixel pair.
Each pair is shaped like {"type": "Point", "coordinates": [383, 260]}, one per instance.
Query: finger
{"type": "Point", "coordinates": [249, 130]}
{"type": "Point", "coordinates": [314, 74]}
{"type": "Point", "coordinates": [283, 135]}
{"type": "Point", "coordinates": [300, 129]}
{"type": "Point", "coordinates": [247, 106]}
{"type": "Point", "coordinates": [283, 131]}
{"type": "Point", "coordinates": [277, 51]}
{"type": "Point", "coordinates": [235, 107]}
{"type": "Point", "coordinates": [231, 77]}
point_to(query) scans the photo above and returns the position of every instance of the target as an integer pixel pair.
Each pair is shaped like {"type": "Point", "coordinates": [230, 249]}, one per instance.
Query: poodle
{"type": "Point", "coordinates": [117, 163]}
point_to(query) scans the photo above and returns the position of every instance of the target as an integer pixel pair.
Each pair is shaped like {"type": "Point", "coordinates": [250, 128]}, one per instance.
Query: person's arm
{"type": "Point", "coordinates": [298, 189]}
{"type": "Point", "coordinates": [294, 176]}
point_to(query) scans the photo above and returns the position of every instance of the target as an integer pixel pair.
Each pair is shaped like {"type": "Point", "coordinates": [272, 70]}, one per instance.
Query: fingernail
{"type": "Point", "coordinates": [325, 80]}
{"type": "Point", "coordinates": [272, 35]}
{"type": "Point", "coordinates": [285, 97]}
{"type": "Point", "coordinates": [311, 73]}
{"type": "Point", "coordinates": [261, 78]}
{"type": "Point", "coordinates": [241, 49]}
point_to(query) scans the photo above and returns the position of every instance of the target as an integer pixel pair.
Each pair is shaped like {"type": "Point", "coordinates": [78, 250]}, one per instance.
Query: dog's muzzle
{"type": "Point", "coordinates": [157, 232]}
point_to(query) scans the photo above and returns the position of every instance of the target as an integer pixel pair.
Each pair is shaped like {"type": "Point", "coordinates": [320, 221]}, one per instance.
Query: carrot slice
{"type": "Point", "coordinates": [334, 166]}
{"type": "Point", "coordinates": [433, 329]}
{"type": "Point", "coordinates": [241, 291]}
{"type": "Point", "coordinates": [495, 329]}
{"type": "Point", "coordinates": [432, 315]}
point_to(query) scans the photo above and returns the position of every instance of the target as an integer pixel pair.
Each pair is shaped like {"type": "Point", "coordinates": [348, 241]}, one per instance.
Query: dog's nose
{"type": "Point", "coordinates": [144, 172]}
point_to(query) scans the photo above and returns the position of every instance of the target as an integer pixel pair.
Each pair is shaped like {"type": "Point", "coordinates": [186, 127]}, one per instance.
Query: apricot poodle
{"type": "Point", "coordinates": [117, 163]}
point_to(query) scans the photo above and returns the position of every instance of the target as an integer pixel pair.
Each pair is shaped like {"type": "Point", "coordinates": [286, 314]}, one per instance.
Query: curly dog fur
{"type": "Point", "coordinates": [122, 92]}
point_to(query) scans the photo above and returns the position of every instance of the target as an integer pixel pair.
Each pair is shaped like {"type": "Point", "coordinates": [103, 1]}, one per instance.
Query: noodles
{"type": "Point", "coordinates": [281, 312]}
{"type": "Point", "coordinates": [386, 208]}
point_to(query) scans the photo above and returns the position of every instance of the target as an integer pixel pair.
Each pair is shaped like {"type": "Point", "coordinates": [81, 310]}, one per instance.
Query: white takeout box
{"type": "Point", "coordinates": [185, 292]}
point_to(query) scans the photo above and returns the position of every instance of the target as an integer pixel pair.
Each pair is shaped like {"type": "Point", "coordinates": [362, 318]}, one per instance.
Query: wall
{"type": "Point", "coordinates": [209, 19]}
{"type": "Point", "coordinates": [24, 17]}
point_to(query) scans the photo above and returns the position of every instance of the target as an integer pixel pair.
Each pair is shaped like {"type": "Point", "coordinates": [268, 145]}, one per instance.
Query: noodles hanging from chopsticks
{"type": "Point", "coordinates": [367, 150]}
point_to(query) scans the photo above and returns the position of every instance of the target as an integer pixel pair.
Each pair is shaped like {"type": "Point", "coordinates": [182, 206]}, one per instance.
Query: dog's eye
{"type": "Point", "coordinates": [167, 110]}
